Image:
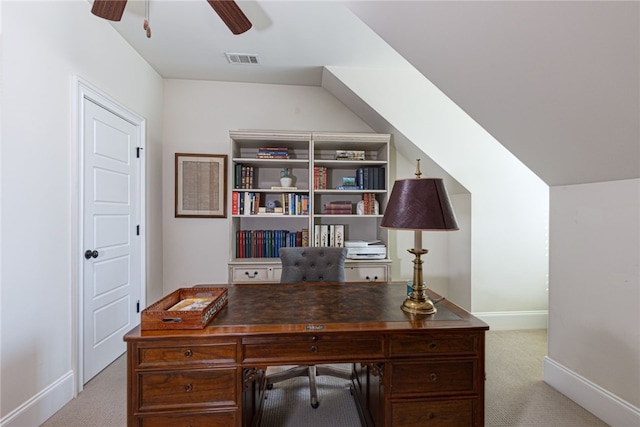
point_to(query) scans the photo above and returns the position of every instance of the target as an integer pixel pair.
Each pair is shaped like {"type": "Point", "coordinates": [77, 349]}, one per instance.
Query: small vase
{"type": "Point", "coordinates": [285, 178]}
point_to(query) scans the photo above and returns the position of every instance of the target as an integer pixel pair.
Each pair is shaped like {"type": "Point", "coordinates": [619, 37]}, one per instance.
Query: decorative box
{"type": "Point", "coordinates": [185, 308]}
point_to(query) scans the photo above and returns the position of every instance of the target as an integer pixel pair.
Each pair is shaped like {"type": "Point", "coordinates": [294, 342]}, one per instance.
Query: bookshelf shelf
{"type": "Point", "coordinates": [253, 256]}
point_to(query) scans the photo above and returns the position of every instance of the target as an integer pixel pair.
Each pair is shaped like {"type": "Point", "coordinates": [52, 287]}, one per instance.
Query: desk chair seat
{"type": "Point", "coordinates": [302, 264]}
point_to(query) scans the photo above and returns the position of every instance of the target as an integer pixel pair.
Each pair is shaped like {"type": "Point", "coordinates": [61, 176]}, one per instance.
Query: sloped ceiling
{"type": "Point", "coordinates": [556, 82]}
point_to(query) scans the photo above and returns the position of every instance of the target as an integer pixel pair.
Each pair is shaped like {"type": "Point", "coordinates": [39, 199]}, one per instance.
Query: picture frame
{"type": "Point", "coordinates": [200, 185]}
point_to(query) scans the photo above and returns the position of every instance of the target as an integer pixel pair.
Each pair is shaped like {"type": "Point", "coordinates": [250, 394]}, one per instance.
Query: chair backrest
{"type": "Point", "coordinates": [311, 264]}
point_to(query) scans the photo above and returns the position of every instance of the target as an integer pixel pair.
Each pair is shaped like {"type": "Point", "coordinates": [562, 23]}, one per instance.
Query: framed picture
{"type": "Point", "coordinates": [201, 185]}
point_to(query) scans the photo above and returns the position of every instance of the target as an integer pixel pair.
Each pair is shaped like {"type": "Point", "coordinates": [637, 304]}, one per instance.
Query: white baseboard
{"type": "Point", "coordinates": [42, 406]}
{"type": "Point", "coordinates": [512, 320]}
{"type": "Point", "coordinates": [601, 403]}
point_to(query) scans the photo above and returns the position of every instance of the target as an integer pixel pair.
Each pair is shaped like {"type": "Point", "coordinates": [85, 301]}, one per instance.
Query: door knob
{"type": "Point", "coordinates": [91, 254]}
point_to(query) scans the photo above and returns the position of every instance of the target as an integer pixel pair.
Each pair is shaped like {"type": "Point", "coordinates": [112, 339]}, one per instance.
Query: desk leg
{"type": "Point", "coordinates": [368, 393]}
{"type": "Point", "coordinates": [253, 386]}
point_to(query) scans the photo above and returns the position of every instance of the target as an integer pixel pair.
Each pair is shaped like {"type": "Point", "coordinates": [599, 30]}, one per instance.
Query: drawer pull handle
{"type": "Point", "coordinates": [314, 349]}
{"type": "Point", "coordinates": [314, 338]}
{"type": "Point", "coordinates": [188, 388]}
{"type": "Point", "coordinates": [251, 276]}
{"type": "Point", "coordinates": [188, 353]}
{"type": "Point", "coordinates": [432, 346]}
{"type": "Point", "coordinates": [433, 377]}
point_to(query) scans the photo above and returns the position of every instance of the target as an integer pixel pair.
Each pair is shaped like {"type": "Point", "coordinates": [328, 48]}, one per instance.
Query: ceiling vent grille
{"type": "Point", "coordinates": [243, 58]}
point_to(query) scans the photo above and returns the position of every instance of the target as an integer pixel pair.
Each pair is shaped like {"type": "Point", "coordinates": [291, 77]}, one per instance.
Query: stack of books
{"type": "Point", "coordinates": [349, 155]}
{"type": "Point", "coordinates": [273, 153]}
{"type": "Point", "coordinates": [338, 208]}
{"type": "Point", "coordinates": [349, 183]}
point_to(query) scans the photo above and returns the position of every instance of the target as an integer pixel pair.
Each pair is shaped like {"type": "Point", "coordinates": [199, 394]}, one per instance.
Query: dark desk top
{"type": "Point", "coordinates": [322, 307]}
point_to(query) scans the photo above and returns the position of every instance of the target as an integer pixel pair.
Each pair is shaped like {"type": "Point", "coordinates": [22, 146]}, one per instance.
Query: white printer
{"type": "Point", "coordinates": [361, 249]}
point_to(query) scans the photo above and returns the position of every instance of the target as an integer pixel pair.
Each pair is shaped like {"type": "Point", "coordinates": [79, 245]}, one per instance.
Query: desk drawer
{"type": "Point", "coordinates": [433, 377]}
{"type": "Point", "coordinates": [209, 419]}
{"type": "Point", "coordinates": [434, 413]}
{"type": "Point", "coordinates": [312, 348]}
{"type": "Point", "coordinates": [187, 388]}
{"type": "Point", "coordinates": [436, 344]}
{"type": "Point", "coordinates": [187, 355]}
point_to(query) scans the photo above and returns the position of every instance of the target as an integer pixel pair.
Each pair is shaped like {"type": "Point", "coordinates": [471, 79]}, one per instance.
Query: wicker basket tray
{"type": "Point", "coordinates": [185, 308]}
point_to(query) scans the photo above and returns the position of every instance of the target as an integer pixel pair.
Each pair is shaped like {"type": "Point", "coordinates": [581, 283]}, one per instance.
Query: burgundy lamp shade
{"type": "Point", "coordinates": [419, 204]}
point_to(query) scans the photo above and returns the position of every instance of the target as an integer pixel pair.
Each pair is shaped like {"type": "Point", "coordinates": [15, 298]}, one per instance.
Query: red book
{"type": "Point", "coordinates": [234, 203]}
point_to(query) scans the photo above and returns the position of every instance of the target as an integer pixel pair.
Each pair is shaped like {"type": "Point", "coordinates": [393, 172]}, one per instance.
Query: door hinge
{"type": "Point", "coordinates": [138, 306]}
{"type": "Point", "coordinates": [138, 150]}
{"type": "Point", "coordinates": [137, 230]}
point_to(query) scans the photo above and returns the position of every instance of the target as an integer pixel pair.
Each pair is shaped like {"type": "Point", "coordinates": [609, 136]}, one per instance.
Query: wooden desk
{"type": "Point", "coordinates": [408, 371]}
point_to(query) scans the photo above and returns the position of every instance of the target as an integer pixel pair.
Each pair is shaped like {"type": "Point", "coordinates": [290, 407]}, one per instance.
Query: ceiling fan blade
{"type": "Point", "coordinates": [109, 9]}
{"type": "Point", "coordinates": [231, 15]}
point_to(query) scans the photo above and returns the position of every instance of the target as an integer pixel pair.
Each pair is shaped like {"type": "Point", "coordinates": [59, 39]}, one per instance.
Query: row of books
{"type": "Point", "coordinates": [367, 178]}
{"type": "Point", "coordinates": [371, 178]}
{"type": "Point", "coordinates": [320, 177]}
{"type": "Point", "coordinates": [331, 235]}
{"type": "Point", "coordinates": [243, 176]}
{"type": "Point", "coordinates": [267, 243]}
{"type": "Point", "coordinates": [369, 200]}
{"type": "Point", "coordinates": [251, 203]}
{"type": "Point", "coordinates": [273, 153]}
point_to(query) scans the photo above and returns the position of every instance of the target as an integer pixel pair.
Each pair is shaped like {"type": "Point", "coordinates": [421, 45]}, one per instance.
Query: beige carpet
{"type": "Point", "coordinates": [515, 394]}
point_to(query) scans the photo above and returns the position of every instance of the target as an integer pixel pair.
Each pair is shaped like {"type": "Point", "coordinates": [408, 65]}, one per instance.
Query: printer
{"type": "Point", "coordinates": [361, 249]}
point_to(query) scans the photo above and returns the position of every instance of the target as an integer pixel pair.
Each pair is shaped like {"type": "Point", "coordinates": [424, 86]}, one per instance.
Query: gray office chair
{"type": "Point", "coordinates": [302, 264]}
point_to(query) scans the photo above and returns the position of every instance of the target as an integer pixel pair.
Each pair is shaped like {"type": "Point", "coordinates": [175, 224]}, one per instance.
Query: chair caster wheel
{"type": "Point", "coordinates": [315, 405]}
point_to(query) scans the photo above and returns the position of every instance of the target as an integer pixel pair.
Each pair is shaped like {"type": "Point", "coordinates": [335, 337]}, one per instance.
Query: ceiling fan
{"type": "Point", "coordinates": [228, 11]}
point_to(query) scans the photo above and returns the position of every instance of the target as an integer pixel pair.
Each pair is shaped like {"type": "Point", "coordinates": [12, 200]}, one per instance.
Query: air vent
{"type": "Point", "coordinates": [243, 58]}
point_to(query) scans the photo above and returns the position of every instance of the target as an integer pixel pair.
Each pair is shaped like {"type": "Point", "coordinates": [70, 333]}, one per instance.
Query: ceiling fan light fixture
{"type": "Point", "coordinates": [243, 58]}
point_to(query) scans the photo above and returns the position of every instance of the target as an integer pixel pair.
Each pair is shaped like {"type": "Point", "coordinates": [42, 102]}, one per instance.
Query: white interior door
{"type": "Point", "coordinates": [111, 251]}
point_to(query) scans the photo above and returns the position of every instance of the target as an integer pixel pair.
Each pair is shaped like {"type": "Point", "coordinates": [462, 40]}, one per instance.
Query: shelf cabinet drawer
{"type": "Point", "coordinates": [366, 273]}
{"type": "Point", "coordinates": [434, 413]}
{"type": "Point", "coordinates": [187, 355]}
{"type": "Point", "coordinates": [440, 344]}
{"type": "Point", "coordinates": [312, 348]}
{"type": "Point", "coordinates": [209, 419]}
{"type": "Point", "coordinates": [256, 274]}
{"type": "Point", "coordinates": [187, 388]}
{"type": "Point", "coordinates": [433, 377]}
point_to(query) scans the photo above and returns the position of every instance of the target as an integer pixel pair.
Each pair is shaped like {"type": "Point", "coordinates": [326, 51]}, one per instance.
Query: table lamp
{"type": "Point", "coordinates": [419, 204]}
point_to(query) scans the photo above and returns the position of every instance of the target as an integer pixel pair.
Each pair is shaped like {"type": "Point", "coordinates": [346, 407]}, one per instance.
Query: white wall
{"type": "Point", "coordinates": [197, 118]}
{"type": "Point", "coordinates": [594, 308]}
{"type": "Point", "coordinates": [509, 204]}
{"type": "Point", "coordinates": [44, 45]}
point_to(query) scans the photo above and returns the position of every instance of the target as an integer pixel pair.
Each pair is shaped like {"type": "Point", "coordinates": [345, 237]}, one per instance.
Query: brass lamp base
{"type": "Point", "coordinates": [418, 301]}
{"type": "Point", "coordinates": [418, 307]}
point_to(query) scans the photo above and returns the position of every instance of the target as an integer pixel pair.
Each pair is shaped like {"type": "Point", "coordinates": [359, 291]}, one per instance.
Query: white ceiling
{"type": "Point", "coordinates": [556, 82]}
